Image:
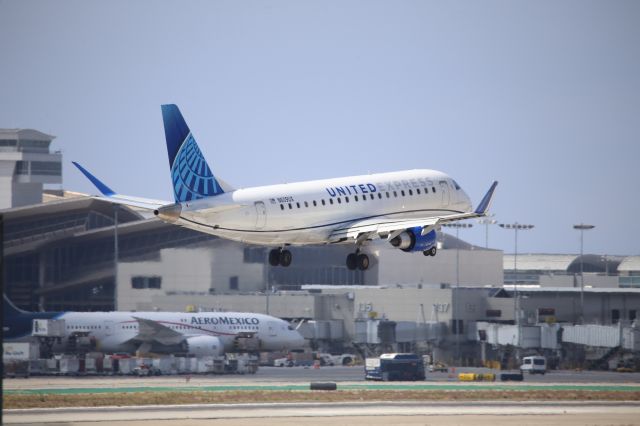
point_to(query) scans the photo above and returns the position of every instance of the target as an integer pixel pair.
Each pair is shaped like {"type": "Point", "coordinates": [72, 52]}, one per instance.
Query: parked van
{"type": "Point", "coordinates": [394, 367]}
{"type": "Point", "coordinates": [534, 364]}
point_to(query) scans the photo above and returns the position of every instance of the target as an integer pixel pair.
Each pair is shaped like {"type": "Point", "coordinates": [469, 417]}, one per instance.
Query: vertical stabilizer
{"type": "Point", "coordinates": [10, 310]}
{"type": "Point", "coordinates": [190, 174]}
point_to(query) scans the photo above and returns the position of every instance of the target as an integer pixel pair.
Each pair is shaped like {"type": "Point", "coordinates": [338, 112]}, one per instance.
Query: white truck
{"type": "Point", "coordinates": [341, 359]}
{"type": "Point", "coordinates": [534, 365]}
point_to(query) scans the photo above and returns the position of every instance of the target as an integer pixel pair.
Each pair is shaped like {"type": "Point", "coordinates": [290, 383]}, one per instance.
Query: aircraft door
{"type": "Point", "coordinates": [108, 328]}
{"type": "Point", "coordinates": [272, 329]}
{"type": "Point", "coordinates": [444, 189]}
{"type": "Point", "coordinates": [261, 214]}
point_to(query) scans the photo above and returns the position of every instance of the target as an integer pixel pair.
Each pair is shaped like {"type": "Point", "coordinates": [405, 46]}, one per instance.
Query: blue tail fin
{"type": "Point", "coordinates": [9, 309]}
{"type": "Point", "coordinates": [191, 176]}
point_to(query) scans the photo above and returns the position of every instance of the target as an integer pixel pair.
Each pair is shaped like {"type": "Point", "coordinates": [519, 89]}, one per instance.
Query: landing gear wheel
{"type": "Point", "coordinates": [431, 252]}
{"type": "Point", "coordinates": [274, 257]}
{"type": "Point", "coordinates": [352, 261]}
{"type": "Point", "coordinates": [363, 262]}
{"type": "Point", "coordinates": [285, 258]}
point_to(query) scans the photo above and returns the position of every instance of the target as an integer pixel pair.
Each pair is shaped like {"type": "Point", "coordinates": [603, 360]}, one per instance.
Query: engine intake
{"type": "Point", "coordinates": [204, 346]}
{"type": "Point", "coordinates": [411, 240]}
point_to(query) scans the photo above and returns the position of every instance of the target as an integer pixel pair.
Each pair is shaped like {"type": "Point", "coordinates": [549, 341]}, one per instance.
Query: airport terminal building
{"type": "Point", "coordinates": [467, 304]}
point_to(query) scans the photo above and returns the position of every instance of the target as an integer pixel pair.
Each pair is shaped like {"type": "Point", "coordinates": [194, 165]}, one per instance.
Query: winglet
{"type": "Point", "coordinates": [486, 200]}
{"type": "Point", "coordinates": [104, 189]}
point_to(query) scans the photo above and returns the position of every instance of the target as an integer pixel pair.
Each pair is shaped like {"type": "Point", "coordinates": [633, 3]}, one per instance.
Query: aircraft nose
{"type": "Point", "coordinates": [298, 341]}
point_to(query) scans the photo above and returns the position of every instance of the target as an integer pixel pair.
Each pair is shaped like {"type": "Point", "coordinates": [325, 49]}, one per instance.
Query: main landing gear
{"type": "Point", "coordinates": [431, 252]}
{"type": "Point", "coordinates": [280, 257]}
{"type": "Point", "coordinates": [357, 260]}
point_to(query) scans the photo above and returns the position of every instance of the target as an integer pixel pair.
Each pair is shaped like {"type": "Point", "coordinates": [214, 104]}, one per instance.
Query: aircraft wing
{"type": "Point", "coordinates": [149, 330]}
{"type": "Point", "coordinates": [110, 195]}
{"type": "Point", "coordinates": [389, 228]}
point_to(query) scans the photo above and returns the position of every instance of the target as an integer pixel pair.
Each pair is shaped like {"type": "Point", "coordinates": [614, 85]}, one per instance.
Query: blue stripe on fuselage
{"type": "Point", "coordinates": [20, 325]}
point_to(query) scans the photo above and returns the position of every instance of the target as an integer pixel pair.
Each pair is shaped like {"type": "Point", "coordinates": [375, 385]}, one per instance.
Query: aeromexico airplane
{"type": "Point", "coordinates": [405, 208]}
{"type": "Point", "coordinates": [200, 334]}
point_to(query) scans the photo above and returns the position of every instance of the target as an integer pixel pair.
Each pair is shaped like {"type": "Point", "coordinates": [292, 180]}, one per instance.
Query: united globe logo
{"type": "Point", "coordinates": [192, 178]}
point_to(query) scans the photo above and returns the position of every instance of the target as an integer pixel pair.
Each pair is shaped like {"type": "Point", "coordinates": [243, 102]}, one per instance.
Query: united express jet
{"type": "Point", "coordinates": [199, 334]}
{"type": "Point", "coordinates": [404, 208]}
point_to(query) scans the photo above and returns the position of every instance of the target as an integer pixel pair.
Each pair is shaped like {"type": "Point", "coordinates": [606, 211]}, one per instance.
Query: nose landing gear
{"type": "Point", "coordinates": [280, 257]}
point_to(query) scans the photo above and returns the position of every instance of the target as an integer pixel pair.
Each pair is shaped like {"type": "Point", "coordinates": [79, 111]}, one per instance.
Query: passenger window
{"type": "Point", "coordinates": [418, 191]}
{"type": "Point", "coordinates": [339, 200]}
{"type": "Point", "coordinates": [298, 204]}
{"type": "Point", "coordinates": [322, 202]}
{"type": "Point", "coordinates": [355, 198]}
{"type": "Point", "coordinates": [402, 192]}
{"type": "Point", "coordinates": [330, 200]}
{"type": "Point", "coordinates": [314, 203]}
{"type": "Point", "coordinates": [410, 192]}
{"type": "Point", "coordinates": [290, 206]}
{"type": "Point", "coordinates": [395, 194]}
{"type": "Point", "coordinates": [281, 206]}
{"type": "Point", "coordinates": [379, 196]}
{"type": "Point", "coordinates": [306, 204]}
{"type": "Point", "coordinates": [387, 195]}
{"type": "Point", "coordinates": [433, 188]}
{"type": "Point", "coordinates": [346, 199]}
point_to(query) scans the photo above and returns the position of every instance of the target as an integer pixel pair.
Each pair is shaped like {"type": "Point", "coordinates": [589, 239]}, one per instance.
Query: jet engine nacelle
{"type": "Point", "coordinates": [204, 346]}
{"type": "Point", "coordinates": [411, 240]}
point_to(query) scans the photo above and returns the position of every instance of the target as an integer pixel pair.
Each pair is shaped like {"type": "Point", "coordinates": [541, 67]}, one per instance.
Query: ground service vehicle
{"type": "Point", "coordinates": [394, 367]}
{"type": "Point", "coordinates": [534, 364]}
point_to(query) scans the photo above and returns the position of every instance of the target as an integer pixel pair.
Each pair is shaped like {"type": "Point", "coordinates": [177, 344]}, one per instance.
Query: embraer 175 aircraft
{"type": "Point", "coordinates": [199, 334]}
{"type": "Point", "coordinates": [405, 208]}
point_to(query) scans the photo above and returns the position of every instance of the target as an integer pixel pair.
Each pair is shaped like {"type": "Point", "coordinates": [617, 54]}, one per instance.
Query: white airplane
{"type": "Point", "coordinates": [199, 334]}
{"type": "Point", "coordinates": [405, 208]}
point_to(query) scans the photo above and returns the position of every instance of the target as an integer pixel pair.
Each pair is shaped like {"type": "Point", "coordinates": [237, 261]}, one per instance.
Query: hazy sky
{"type": "Point", "coordinates": [543, 96]}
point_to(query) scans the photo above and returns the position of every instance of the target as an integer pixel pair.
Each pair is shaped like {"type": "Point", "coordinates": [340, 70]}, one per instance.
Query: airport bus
{"type": "Point", "coordinates": [394, 367]}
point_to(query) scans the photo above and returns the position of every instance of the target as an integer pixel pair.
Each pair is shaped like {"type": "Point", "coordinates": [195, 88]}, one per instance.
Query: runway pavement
{"type": "Point", "coordinates": [371, 414]}
{"type": "Point", "coordinates": [299, 376]}
{"type": "Point", "coordinates": [471, 413]}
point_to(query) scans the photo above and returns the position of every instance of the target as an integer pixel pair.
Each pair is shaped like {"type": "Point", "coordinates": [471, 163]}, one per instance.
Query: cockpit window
{"type": "Point", "coordinates": [455, 184]}
{"type": "Point", "coordinates": [290, 328]}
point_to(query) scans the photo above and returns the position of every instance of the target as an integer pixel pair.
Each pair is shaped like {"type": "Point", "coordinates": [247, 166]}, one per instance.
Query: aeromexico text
{"type": "Point", "coordinates": [366, 188]}
{"type": "Point", "coordinates": [224, 321]}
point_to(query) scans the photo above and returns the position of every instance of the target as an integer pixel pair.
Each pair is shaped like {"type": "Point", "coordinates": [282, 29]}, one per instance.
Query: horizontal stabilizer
{"type": "Point", "coordinates": [104, 189]}
{"type": "Point", "coordinates": [111, 196]}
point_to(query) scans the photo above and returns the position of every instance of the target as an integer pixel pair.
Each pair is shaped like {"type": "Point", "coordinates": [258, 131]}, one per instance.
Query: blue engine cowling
{"type": "Point", "coordinates": [411, 240]}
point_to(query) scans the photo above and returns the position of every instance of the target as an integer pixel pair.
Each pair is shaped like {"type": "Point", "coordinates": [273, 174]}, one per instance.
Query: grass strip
{"type": "Point", "coordinates": [13, 401]}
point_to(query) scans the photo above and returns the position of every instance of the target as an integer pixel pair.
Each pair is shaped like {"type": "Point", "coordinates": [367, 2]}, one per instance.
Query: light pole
{"type": "Point", "coordinates": [582, 227]}
{"type": "Point", "coordinates": [116, 257]}
{"type": "Point", "coordinates": [486, 221]}
{"type": "Point", "coordinates": [516, 227]}
{"type": "Point", "coordinates": [457, 227]}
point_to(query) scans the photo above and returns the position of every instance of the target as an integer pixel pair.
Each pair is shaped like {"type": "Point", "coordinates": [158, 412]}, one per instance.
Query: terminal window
{"type": "Point", "coordinates": [233, 283]}
{"type": "Point", "coordinates": [615, 316]}
{"type": "Point", "coordinates": [141, 282]}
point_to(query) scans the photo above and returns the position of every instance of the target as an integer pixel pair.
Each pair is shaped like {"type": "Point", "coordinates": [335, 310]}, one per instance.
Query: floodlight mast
{"type": "Point", "coordinates": [486, 221]}
{"type": "Point", "coordinates": [582, 227]}
{"type": "Point", "coordinates": [516, 227]}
